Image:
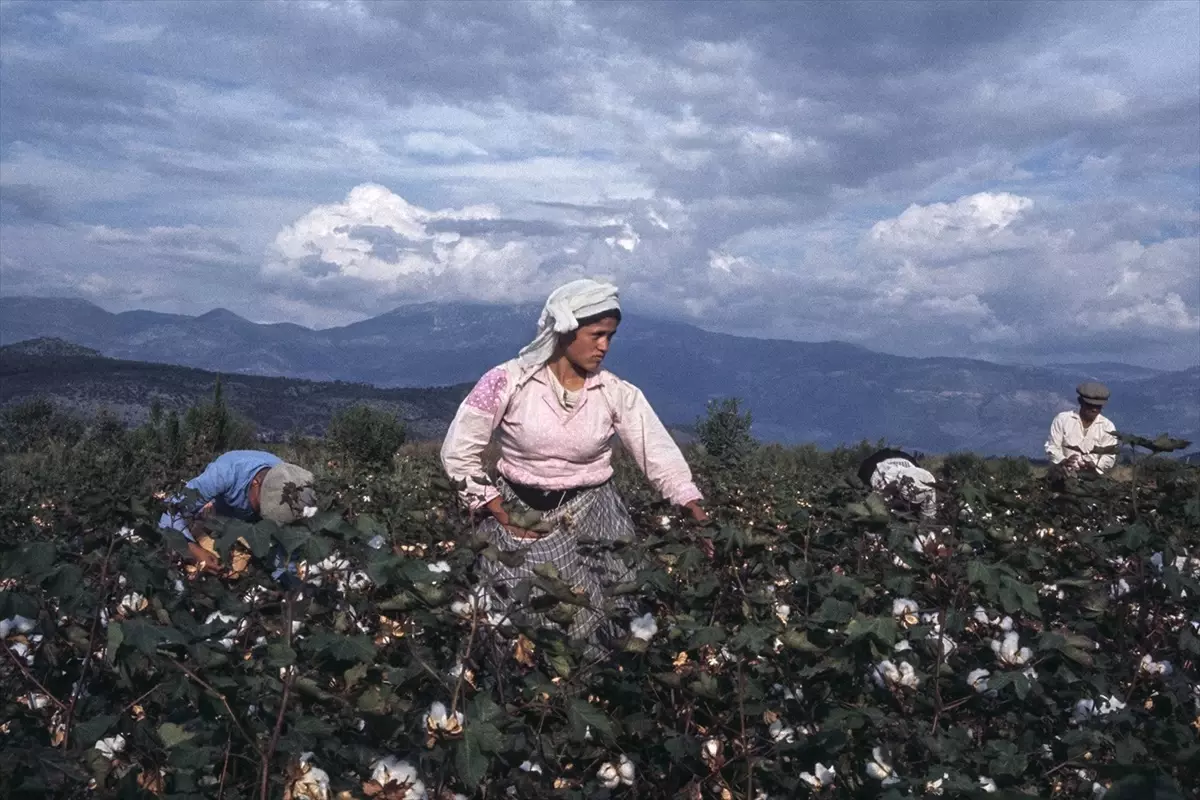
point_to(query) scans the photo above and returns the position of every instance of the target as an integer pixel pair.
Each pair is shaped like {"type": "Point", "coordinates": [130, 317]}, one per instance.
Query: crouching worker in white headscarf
{"type": "Point", "coordinates": [895, 475]}
{"type": "Point", "coordinates": [555, 410]}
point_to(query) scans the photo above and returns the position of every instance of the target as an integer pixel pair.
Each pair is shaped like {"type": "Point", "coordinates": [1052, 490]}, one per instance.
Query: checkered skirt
{"type": "Point", "coordinates": [594, 515]}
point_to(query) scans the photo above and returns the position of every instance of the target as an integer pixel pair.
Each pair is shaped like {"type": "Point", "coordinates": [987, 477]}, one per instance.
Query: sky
{"type": "Point", "coordinates": [1012, 181]}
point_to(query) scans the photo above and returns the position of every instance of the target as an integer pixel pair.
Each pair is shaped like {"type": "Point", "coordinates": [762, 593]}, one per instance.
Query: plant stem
{"type": "Point", "coordinates": [29, 677]}
{"type": "Point", "coordinates": [289, 676]}
{"type": "Point", "coordinates": [87, 659]}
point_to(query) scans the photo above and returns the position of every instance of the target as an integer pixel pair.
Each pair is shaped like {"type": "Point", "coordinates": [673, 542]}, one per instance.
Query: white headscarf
{"type": "Point", "coordinates": [565, 306]}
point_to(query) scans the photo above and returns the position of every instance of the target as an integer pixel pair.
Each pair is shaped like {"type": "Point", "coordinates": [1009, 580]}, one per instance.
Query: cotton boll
{"type": "Point", "coordinates": [111, 747]}
{"type": "Point", "coordinates": [609, 775]}
{"type": "Point", "coordinates": [820, 777]}
{"type": "Point", "coordinates": [626, 770]}
{"type": "Point", "coordinates": [880, 768]}
{"type": "Point", "coordinates": [16, 625]}
{"type": "Point", "coordinates": [977, 680]}
{"type": "Point", "coordinates": [391, 770]}
{"type": "Point", "coordinates": [643, 627]}
{"type": "Point", "coordinates": [905, 610]}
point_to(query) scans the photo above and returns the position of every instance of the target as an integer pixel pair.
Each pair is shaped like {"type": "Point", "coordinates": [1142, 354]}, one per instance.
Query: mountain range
{"type": "Point", "coordinates": [80, 379]}
{"type": "Point", "coordinates": [822, 392]}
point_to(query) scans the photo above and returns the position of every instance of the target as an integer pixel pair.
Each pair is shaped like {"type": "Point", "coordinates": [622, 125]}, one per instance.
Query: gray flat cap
{"type": "Point", "coordinates": [1096, 394]}
{"type": "Point", "coordinates": [271, 502]}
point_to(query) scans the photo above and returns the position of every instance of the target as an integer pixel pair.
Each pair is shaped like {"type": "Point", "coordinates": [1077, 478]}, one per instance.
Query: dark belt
{"type": "Point", "coordinates": [543, 500]}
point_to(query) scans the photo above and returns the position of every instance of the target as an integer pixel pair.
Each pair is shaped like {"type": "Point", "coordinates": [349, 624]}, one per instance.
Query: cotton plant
{"type": "Point", "coordinates": [780, 732]}
{"type": "Point", "coordinates": [310, 781]}
{"type": "Point", "coordinates": [1009, 651]}
{"type": "Point", "coordinates": [977, 679]}
{"type": "Point", "coordinates": [643, 627]}
{"type": "Point", "coordinates": [888, 674]}
{"type": "Point", "coordinates": [22, 642]}
{"type": "Point", "coordinates": [396, 775]}
{"type": "Point", "coordinates": [235, 626]}
{"type": "Point", "coordinates": [1152, 667]}
{"type": "Point", "coordinates": [906, 611]}
{"type": "Point", "coordinates": [925, 544]}
{"type": "Point", "coordinates": [16, 625]}
{"type": "Point", "coordinates": [788, 692]}
{"type": "Point", "coordinates": [937, 787]}
{"type": "Point", "coordinates": [822, 777]}
{"type": "Point", "coordinates": [438, 721]}
{"type": "Point", "coordinates": [1004, 624]}
{"type": "Point", "coordinates": [334, 566]}
{"type": "Point", "coordinates": [131, 604]}
{"type": "Point", "coordinates": [111, 747]}
{"type": "Point", "coordinates": [613, 775]}
{"type": "Point", "coordinates": [478, 606]}
{"type": "Point", "coordinates": [880, 768]}
{"type": "Point", "coordinates": [1087, 709]}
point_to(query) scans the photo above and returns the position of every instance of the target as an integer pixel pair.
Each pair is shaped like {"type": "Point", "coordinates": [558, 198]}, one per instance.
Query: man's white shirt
{"type": "Point", "coordinates": [1069, 437]}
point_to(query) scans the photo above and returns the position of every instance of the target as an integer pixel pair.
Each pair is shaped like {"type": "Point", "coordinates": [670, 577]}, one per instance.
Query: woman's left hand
{"type": "Point", "coordinates": [700, 516]}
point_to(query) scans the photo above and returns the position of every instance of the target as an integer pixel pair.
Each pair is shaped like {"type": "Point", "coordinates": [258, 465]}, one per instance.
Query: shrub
{"type": "Point", "coordinates": [725, 432]}
{"type": "Point", "coordinates": [366, 436]}
{"type": "Point", "coordinates": [36, 423]}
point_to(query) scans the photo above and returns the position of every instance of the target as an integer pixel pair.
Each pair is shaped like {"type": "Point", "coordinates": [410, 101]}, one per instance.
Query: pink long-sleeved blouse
{"type": "Point", "coordinates": [547, 447]}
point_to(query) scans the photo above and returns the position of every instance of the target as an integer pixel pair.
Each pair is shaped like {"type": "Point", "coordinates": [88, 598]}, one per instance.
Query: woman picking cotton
{"type": "Point", "coordinates": [554, 410]}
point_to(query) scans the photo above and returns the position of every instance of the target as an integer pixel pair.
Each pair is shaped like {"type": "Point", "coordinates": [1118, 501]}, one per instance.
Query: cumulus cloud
{"type": "Point", "coordinates": [967, 226]}
{"type": "Point", "coordinates": [397, 250]}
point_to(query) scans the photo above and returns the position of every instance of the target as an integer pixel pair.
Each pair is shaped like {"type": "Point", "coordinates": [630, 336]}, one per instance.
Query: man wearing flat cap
{"type": "Point", "coordinates": [248, 485]}
{"type": "Point", "coordinates": [1076, 435]}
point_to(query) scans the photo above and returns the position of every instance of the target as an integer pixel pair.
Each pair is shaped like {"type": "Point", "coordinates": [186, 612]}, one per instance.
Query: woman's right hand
{"type": "Point", "coordinates": [496, 508]}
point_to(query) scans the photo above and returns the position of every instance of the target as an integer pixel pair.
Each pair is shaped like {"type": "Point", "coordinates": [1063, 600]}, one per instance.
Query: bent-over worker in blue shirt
{"type": "Point", "coordinates": [243, 484]}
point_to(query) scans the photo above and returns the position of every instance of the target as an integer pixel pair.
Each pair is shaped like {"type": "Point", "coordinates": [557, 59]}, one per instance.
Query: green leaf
{"type": "Point", "coordinates": [798, 640]}
{"type": "Point", "coordinates": [1144, 786]}
{"type": "Point", "coordinates": [116, 636]}
{"type": "Point", "coordinates": [146, 638]}
{"type": "Point", "coordinates": [751, 638]}
{"type": "Point", "coordinates": [834, 612]}
{"type": "Point", "coordinates": [172, 734]}
{"type": "Point", "coordinates": [582, 714]}
{"type": "Point", "coordinates": [280, 654]}
{"type": "Point", "coordinates": [373, 701]}
{"type": "Point", "coordinates": [291, 537]}
{"type": "Point", "coordinates": [470, 761]}
{"type": "Point", "coordinates": [882, 629]}
{"type": "Point", "coordinates": [561, 664]}
{"type": "Point", "coordinates": [88, 733]}
{"type": "Point", "coordinates": [259, 536]}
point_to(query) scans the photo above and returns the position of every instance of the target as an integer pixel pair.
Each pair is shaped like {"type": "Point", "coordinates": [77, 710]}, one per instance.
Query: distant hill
{"type": "Point", "coordinates": [74, 377]}
{"type": "Point", "coordinates": [49, 347]}
{"type": "Point", "coordinates": [823, 392]}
